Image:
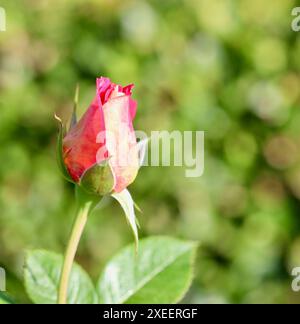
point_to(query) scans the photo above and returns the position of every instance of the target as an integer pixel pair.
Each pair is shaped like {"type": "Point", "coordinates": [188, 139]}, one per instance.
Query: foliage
{"type": "Point", "coordinates": [128, 278]}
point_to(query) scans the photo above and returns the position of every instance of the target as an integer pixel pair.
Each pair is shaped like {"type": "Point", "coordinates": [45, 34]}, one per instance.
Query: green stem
{"type": "Point", "coordinates": [76, 233]}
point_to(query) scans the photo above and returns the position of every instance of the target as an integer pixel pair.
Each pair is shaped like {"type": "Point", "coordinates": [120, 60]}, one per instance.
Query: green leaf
{"type": "Point", "coordinates": [161, 273]}
{"type": "Point", "coordinates": [125, 200]}
{"type": "Point", "coordinates": [42, 273]}
{"type": "Point", "coordinates": [4, 299]}
{"type": "Point", "coordinates": [59, 151]}
{"type": "Point", "coordinates": [98, 179]}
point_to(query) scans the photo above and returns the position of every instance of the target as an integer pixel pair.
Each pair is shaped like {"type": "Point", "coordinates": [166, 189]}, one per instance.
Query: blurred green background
{"type": "Point", "coordinates": [230, 68]}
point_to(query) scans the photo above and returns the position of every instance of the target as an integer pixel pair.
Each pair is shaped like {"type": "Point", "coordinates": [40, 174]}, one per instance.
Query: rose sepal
{"type": "Point", "coordinates": [59, 150]}
{"type": "Point", "coordinates": [99, 179]}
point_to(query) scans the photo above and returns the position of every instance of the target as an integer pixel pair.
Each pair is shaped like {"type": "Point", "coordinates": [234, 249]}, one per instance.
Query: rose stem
{"type": "Point", "coordinates": [76, 233]}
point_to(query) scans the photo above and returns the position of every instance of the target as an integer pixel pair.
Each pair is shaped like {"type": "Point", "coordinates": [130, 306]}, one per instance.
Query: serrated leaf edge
{"type": "Point", "coordinates": [27, 252]}
{"type": "Point", "coordinates": [193, 246]}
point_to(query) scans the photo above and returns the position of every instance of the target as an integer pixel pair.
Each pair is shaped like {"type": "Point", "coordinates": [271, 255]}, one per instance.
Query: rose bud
{"type": "Point", "coordinates": [100, 151]}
